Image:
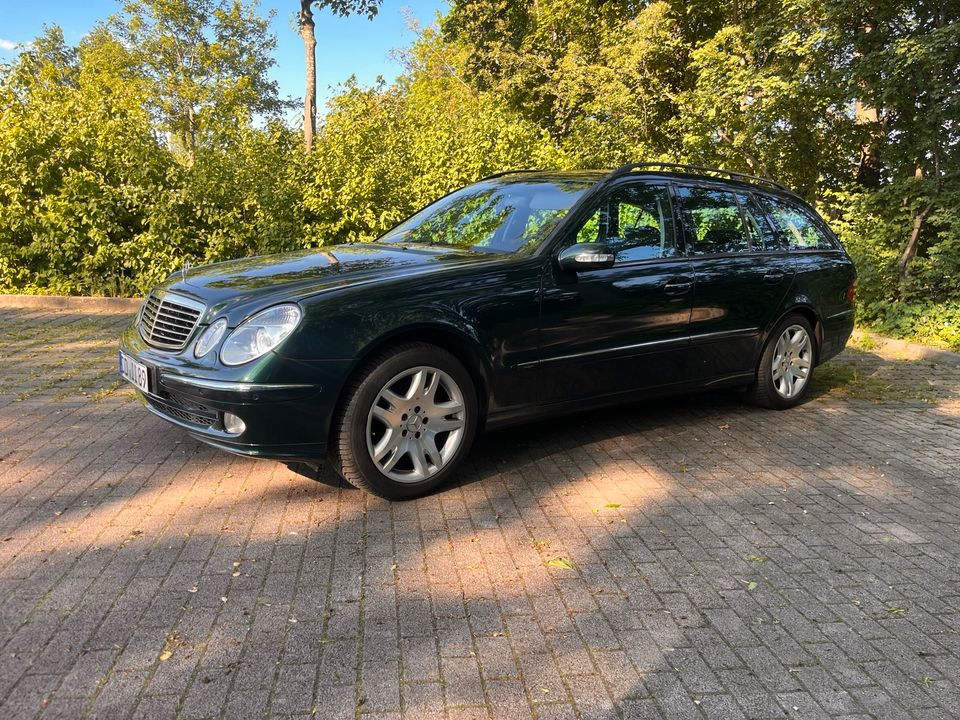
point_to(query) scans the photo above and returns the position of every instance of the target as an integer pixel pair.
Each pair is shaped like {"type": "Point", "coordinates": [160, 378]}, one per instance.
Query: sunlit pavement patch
{"type": "Point", "coordinates": [689, 558]}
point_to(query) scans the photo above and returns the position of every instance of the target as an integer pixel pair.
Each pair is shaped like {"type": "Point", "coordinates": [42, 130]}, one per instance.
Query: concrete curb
{"type": "Point", "coordinates": [60, 302]}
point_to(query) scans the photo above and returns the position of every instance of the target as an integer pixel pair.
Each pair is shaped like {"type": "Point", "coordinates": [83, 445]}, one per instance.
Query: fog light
{"type": "Point", "coordinates": [232, 424]}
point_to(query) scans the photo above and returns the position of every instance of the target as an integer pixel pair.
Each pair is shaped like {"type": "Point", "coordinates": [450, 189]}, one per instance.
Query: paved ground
{"type": "Point", "coordinates": [684, 559]}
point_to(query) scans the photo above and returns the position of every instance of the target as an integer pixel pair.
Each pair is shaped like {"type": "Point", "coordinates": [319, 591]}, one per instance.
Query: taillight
{"type": "Point", "coordinates": [852, 291]}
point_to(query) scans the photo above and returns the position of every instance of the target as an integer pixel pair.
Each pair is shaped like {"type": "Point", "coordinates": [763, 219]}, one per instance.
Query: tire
{"type": "Point", "coordinates": [786, 365]}
{"type": "Point", "coordinates": [407, 421]}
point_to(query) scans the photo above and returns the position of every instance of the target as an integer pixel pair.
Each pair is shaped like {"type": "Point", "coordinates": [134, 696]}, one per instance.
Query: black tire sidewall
{"type": "Point", "coordinates": [366, 393]}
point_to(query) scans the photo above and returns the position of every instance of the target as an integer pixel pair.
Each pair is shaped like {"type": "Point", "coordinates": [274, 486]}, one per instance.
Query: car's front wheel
{"type": "Point", "coordinates": [786, 365]}
{"type": "Point", "coordinates": [408, 420]}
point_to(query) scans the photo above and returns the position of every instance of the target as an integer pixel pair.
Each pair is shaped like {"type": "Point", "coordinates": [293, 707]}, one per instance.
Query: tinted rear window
{"type": "Point", "coordinates": [714, 225]}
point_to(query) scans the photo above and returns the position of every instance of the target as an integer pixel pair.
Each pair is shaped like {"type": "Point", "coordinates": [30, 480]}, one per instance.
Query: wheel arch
{"type": "Point", "coordinates": [805, 310]}
{"type": "Point", "coordinates": [457, 342]}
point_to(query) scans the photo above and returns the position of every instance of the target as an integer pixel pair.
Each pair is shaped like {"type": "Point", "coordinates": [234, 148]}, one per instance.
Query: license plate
{"type": "Point", "coordinates": [134, 372]}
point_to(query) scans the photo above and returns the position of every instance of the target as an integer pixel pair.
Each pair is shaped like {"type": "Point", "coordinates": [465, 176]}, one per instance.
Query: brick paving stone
{"type": "Point", "coordinates": [727, 562]}
{"type": "Point", "coordinates": [423, 700]}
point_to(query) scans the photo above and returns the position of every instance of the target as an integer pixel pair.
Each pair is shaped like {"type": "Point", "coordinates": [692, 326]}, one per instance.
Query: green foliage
{"type": "Point", "coordinates": [81, 165]}
{"type": "Point", "coordinates": [926, 304]}
{"type": "Point", "coordinates": [205, 63]}
{"type": "Point", "coordinates": [94, 201]}
{"type": "Point", "coordinates": [343, 8]}
{"type": "Point", "coordinates": [158, 138]}
{"type": "Point", "coordinates": [385, 151]}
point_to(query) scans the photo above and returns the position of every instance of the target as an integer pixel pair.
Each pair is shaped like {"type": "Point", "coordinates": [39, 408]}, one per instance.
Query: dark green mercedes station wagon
{"type": "Point", "coordinates": [525, 294]}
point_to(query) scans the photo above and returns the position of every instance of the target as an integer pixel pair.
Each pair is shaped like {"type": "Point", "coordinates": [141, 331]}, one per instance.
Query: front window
{"type": "Point", "coordinates": [635, 222]}
{"type": "Point", "coordinates": [499, 216]}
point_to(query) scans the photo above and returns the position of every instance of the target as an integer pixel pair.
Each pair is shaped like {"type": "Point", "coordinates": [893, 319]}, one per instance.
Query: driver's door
{"type": "Point", "coordinates": [623, 328]}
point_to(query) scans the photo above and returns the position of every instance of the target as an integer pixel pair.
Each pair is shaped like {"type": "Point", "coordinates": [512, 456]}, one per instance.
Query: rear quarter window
{"type": "Point", "coordinates": [797, 226]}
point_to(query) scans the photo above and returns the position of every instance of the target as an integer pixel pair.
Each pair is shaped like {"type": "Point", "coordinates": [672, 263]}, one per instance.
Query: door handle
{"type": "Point", "coordinates": [678, 285]}
{"type": "Point", "coordinates": [773, 277]}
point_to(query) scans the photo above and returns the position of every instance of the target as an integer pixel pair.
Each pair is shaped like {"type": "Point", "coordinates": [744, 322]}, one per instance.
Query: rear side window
{"type": "Point", "coordinates": [796, 226]}
{"type": "Point", "coordinates": [635, 221]}
{"type": "Point", "coordinates": [762, 236]}
{"type": "Point", "coordinates": [713, 221]}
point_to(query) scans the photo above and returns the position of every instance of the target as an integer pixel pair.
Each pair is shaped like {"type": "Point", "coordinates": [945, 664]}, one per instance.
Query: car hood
{"type": "Point", "coordinates": [294, 275]}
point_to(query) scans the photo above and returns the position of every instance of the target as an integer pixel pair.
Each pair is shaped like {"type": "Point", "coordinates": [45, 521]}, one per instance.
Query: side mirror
{"type": "Point", "coordinates": [586, 256]}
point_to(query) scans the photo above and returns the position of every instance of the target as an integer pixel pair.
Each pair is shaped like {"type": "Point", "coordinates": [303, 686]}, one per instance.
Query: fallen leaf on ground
{"type": "Point", "coordinates": [560, 563]}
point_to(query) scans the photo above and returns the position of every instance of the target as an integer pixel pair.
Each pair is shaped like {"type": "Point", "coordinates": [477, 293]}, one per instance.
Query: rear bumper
{"type": "Point", "coordinates": [287, 416]}
{"type": "Point", "coordinates": [836, 332]}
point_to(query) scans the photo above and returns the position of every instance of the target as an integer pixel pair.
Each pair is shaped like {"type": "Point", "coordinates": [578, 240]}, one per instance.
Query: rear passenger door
{"type": "Point", "coordinates": [742, 274]}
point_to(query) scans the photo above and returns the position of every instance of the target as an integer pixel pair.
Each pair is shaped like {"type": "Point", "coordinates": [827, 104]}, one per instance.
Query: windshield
{"type": "Point", "coordinates": [501, 216]}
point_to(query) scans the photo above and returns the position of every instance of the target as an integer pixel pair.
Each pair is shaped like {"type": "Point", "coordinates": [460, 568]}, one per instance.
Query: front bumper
{"type": "Point", "coordinates": [286, 408]}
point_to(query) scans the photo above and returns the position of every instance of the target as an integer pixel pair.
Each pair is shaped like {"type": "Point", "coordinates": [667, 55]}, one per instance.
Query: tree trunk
{"type": "Point", "coordinates": [910, 251]}
{"type": "Point", "coordinates": [757, 166]}
{"type": "Point", "coordinates": [191, 134]}
{"type": "Point", "coordinates": [870, 168]}
{"type": "Point", "coordinates": [307, 28]}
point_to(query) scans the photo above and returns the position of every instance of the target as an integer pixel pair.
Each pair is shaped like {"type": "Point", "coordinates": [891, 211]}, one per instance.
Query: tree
{"type": "Point", "coordinates": [902, 62]}
{"type": "Point", "coordinates": [207, 61]}
{"type": "Point", "coordinates": [83, 168]}
{"type": "Point", "coordinates": [383, 152]}
{"type": "Point", "coordinates": [307, 27]}
{"type": "Point", "coordinates": [529, 53]}
{"type": "Point", "coordinates": [138, 148]}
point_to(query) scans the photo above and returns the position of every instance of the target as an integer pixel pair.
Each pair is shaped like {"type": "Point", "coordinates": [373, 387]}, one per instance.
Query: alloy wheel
{"type": "Point", "coordinates": [792, 360]}
{"type": "Point", "coordinates": [416, 424]}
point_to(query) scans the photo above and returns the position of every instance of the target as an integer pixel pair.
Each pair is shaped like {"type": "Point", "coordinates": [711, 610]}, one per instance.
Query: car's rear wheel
{"type": "Point", "coordinates": [786, 365]}
{"type": "Point", "coordinates": [408, 420]}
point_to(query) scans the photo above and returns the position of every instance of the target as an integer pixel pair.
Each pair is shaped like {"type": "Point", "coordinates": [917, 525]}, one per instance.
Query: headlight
{"type": "Point", "coordinates": [260, 334]}
{"type": "Point", "coordinates": [209, 338]}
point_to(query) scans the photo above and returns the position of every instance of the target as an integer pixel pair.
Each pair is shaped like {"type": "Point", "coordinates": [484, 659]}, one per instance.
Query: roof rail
{"type": "Point", "coordinates": [508, 172]}
{"type": "Point", "coordinates": [697, 170]}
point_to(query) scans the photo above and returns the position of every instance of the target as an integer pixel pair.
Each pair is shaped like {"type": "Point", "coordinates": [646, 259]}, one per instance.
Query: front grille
{"type": "Point", "coordinates": [183, 410]}
{"type": "Point", "coordinates": [166, 321]}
